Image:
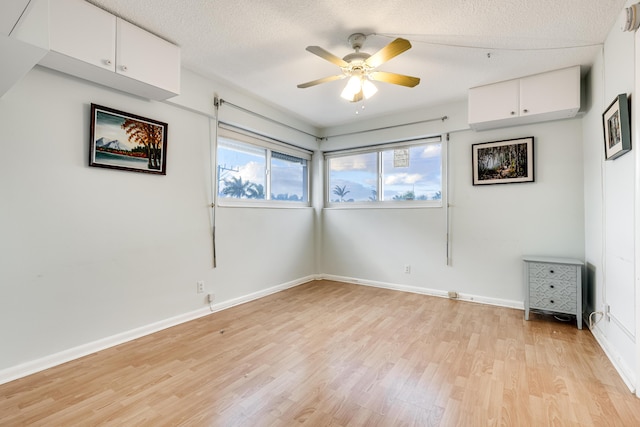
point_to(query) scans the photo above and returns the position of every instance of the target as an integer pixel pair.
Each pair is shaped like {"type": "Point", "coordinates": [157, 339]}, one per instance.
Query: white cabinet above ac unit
{"type": "Point", "coordinates": [548, 96]}
{"type": "Point", "coordinates": [88, 42]}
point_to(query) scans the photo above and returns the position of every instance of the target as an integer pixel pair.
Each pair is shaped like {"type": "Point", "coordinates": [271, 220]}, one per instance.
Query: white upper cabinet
{"type": "Point", "coordinates": [82, 31]}
{"type": "Point", "coordinates": [550, 92]}
{"type": "Point", "coordinates": [142, 56]}
{"type": "Point", "coordinates": [88, 42]}
{"type": "Point", "coordinates": [494, 102]}
{"type": "Point", "coordinates": [541, 97]}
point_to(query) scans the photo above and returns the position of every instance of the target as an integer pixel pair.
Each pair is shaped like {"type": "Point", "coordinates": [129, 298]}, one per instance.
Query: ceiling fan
{"type": "Point", "coordinates": [360, 68]}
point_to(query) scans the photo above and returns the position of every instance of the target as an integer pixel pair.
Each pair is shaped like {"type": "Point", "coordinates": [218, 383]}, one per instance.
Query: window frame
{"type": "Point", "coordinates": [379, 149]}
{"type": "Point", "coordinates": [258, 141]}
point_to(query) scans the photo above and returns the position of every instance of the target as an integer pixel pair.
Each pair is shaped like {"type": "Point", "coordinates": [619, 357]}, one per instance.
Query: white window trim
{"type": "Point", "coordinates": [269, 145]}
{"type": "Point", "coordinates": [387, 204]}
{"type": "Point", "coordinates": [248, 138]}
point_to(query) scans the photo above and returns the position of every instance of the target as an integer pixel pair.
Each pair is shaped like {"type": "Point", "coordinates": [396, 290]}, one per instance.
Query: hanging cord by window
{"type": "Point", "coordinates": [213, 143]}
{"type": "Point", "coordinates": [446, 203]}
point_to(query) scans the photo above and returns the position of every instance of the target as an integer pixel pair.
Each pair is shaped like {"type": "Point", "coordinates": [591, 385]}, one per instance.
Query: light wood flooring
{"type": "Point", "coordinates": [333, 354]}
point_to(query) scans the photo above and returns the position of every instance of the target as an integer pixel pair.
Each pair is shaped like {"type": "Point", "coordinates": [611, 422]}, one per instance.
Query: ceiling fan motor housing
{"type": "Point", "coordinates": [356, 58]}
{"type": "Point", "coordinates": [356, 41]}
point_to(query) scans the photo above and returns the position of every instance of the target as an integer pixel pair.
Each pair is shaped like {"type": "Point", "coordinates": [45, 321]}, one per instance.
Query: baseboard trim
{"type": "Point", "coordinates": [31, 367]}
{"type": "Point", "coordinates": [625, 373]}
{"type": "Point", "coordinates": [426, 291]}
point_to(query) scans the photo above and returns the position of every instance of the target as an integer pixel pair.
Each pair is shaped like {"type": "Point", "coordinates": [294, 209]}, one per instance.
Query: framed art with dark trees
{"type": "Point", "coordinates": [617, 132]}
{"type": "Point", "coordinates": [125, 141]}
{"type": "Point", "coordinates": [503, 162]}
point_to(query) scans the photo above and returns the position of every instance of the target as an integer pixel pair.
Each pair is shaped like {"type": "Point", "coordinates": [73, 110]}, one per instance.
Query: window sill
{"type": "Point", "coordinates": [263, 205]}
{"type": "Point", "coordinates": [384, 205]}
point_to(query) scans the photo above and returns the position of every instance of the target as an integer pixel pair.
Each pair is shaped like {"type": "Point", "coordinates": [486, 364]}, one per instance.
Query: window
{"type": "Point", "coordinates": [289, 178]}
{"type": "Point", "coordinates": [392, 173]}
{"type": "Point", "coordinates": [252, 170]}
{"type": "Point", "coordinates": [353, 178]}
{"type": "Point", "coordinates": [241, 170]}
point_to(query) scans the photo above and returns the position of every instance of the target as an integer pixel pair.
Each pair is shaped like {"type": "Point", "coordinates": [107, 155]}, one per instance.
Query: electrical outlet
{"type": "Point", "coordinates": [200, 286]}
{"type": "Point", "coordinates": [211, 297]}
{"type": "Point", "coordinates": [407, 268]}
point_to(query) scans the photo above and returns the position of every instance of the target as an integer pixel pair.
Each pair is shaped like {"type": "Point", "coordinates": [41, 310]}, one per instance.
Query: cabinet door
{"type": "Point", "coordinates": [84, 32]}
{"type": "Point", "coordinates": [145, 57]}
{"type": "Point", "coordinates": [550, 92]}
{"type": "Point", "coordinates": [493, 102]}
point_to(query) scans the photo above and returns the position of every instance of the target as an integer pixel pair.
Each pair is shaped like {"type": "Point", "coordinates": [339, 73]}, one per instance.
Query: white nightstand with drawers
{"type": "Point", "coordinates": [553, 285]}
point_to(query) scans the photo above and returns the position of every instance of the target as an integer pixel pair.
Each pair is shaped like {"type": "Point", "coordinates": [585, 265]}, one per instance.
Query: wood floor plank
{"type": "Point", "coordinates": [335, 354]}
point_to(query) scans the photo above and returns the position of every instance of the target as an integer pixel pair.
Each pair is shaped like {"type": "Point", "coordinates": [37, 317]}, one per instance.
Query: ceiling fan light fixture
{"type": "Point", "coordinates": [368, 89]}
{"type": "Point", "coordinates": [354, 85]}
{"type": "Point", "coordinates": [358, 87]}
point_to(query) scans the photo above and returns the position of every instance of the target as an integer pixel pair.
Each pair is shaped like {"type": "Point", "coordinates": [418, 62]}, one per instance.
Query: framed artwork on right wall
{"type": "Point", "coordinates": [503, 162]}
{"type": "Point", "coordinates": [615, 123]}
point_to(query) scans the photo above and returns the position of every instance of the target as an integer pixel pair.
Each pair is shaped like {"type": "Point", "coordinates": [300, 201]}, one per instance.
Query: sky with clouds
{"type": "Point", "coordinates": [250, 165]}
{"type": "Point", "coordinates": [358, 173]}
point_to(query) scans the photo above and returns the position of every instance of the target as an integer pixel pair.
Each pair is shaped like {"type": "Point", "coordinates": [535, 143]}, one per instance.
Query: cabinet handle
{"type": "Point", "coordinates": [551, 301]}
{"type": "Point", "coordinates": [107, 62]}
{"type": "Point", "coordinates": [123, 68]}
{"type": "Point", "coordinates": [513, 113]}
{"type": "Point", "coordinates": [551, 271]}
{"type": "Point", "coordinates": [525, 111]}
{"type": "Point", "coordinates": [551, 286]}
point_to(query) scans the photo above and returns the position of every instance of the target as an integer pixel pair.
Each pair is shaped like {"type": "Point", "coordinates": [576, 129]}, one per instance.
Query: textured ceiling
{"type": "Point", "coordinates": [259, 46]}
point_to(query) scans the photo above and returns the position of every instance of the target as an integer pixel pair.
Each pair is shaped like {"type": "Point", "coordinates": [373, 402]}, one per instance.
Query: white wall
{"type": "Point", "coordinates": [88, 253]}
{"type": "Point", "coordinates": [492, 227]}
{"type": "Point", "coordinates": [609, 208]}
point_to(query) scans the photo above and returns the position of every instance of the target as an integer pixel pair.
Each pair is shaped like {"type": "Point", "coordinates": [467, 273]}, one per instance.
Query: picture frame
{"type": "Point", "coordinates": [503, 162]}
{"type": "Point", "coordinates": [616, 128]}
{"type": "Point", "coordinates": [125, 141]}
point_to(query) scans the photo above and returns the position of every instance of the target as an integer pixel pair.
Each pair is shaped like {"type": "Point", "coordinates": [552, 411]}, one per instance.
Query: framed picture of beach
{"type": "Point", "coordinates": [125, 141]}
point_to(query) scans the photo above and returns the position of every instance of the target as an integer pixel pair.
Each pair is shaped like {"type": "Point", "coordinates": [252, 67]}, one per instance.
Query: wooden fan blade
{"type": "Point", "coordinates": [317, 50]}
{"type": "Point", "coordinates": [322, 80]}
{"type": "Point", "coordinates": [393, 78]}
{"type": "Point", "coordinates": [391, 50]}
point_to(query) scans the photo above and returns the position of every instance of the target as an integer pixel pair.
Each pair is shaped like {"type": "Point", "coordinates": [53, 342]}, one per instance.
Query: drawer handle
{"type": "Point", "coordinates": [551, 301]}
{"type": "Point", "coordinates": [551, 286]}
{"type": "Point", "coordinates": [551, 271]}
